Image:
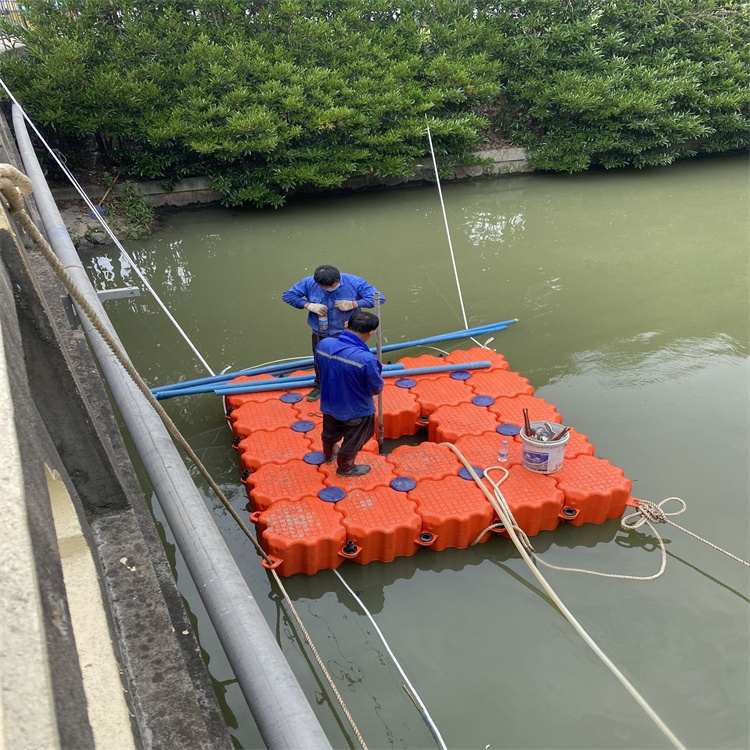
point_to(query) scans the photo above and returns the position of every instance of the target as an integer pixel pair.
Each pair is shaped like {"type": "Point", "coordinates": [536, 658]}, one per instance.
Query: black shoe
{"type": "Point", "coordinates": [356, 471]}
{"type": "Point", "coordinates": [332, 457]}
{"type": "Point", "coordinates": [314, 394]}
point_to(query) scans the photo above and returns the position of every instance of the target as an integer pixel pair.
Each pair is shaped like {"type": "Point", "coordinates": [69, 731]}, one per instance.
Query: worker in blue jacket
{"type": "Point", "coordinates": [350, 375]}
{"type": "Point", "coordinates": [330, 297]}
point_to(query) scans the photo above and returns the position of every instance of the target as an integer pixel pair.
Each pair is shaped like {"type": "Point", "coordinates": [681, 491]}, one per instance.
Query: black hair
{"type": "Point", "coordinates": [327, 275]}
{"type": "Point", "coordinates": [363, 322]}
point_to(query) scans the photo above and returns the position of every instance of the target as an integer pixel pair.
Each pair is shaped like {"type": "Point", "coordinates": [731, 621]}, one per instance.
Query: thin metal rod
{"type": "Point", "coordinates": [379, 355]}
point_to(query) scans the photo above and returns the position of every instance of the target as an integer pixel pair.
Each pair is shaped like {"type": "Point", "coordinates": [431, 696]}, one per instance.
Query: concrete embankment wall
{"type": "Point", "coordinates": [96, 642]}
{"type": "Point", "coordinates": [196, 190]}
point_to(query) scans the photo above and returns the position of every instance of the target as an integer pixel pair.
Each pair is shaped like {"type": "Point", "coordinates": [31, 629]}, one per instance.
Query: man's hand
{"type": "Point", "coordinates": [345, 305]}
{"type": "Point", "coordinates": [317, 308]}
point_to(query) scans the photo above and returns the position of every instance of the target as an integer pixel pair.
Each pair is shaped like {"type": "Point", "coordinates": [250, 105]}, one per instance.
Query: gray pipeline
{"type": "Point", "coordinates": [282, 713]}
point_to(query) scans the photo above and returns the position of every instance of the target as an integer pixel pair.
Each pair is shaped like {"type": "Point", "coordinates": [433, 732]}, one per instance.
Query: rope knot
{"type": "Point", "coordinates": [648, 512]}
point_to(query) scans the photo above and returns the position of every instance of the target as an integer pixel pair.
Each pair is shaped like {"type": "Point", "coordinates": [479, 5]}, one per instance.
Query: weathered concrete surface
{"type": "Point", "coordinates": [195, 190]}
{"type": "Point", "coordinates": [57, 406]}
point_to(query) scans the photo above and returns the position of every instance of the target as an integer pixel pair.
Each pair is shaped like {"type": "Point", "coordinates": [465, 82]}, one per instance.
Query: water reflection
{"type": "Point", "coordinates": [647, 358]}
{"type": "Point", "coordinates": [486, 228]}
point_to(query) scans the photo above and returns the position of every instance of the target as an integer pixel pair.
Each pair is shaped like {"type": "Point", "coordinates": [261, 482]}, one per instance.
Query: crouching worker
{"type": "Point", "coordinates": [350, 375]}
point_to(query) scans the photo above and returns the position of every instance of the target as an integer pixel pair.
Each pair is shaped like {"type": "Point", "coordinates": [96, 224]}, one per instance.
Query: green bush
{"type": "Point", "coordinates": [624, 82]}
{"type": "Point", "coordinates": [273, 96]}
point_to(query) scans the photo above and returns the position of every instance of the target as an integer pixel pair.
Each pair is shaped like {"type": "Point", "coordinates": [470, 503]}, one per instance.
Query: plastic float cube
{"type": "Point", "coordinates": [272, 447]}
{"type": "Point", "coordinates": [477, 354]}
{"type": "Point", "coordinates": [499, 384]}
{"type": "Point", "coordinates": [511, 409]}
{"type": "Point", "coordinates": [381, 474]}
{"type": "Point", "coordinates": [454, 510]}
{"type": "Point", "coordinates": [482, 450]}
{"type": "Point", "coordinates": [235, 400]}
{"type": "Point", "coordinates": [292, 480]}
{"type": "Point", "coordinates": [382, 523]}
{"type": "Point", "coordinates": [444, 391]}
{"type": "Point", "coordinates": [534, 499]}
{"type": "Point", "coordinates": [578, 445]}
{"type": "Point", "coordinates": [301, 536]}
{"type": "Point", "coordinates": [593, 487]}
{"type": "Point", "coordinates": [424, 360]}
{"type": "Point", "coordinates": [424, 461]}
{"type": "Point", "coordinates": [449, 423]}
{"type": "Point", "coordinates": [401, 411]}
{"type": "Point", "coordinates": [267, 415]}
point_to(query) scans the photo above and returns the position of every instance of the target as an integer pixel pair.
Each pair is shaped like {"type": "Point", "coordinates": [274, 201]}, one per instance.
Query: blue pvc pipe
{"type": "Point", "coordinates": [281, 384]}
{"type": "Point", "coordinates": [277, 383]}
{"type": "Point", "coordinates": [308, 362]}
{"type": "Point", "coordinates": [450, 336]}
{"type": "Point", "coordinates": [224, 377]}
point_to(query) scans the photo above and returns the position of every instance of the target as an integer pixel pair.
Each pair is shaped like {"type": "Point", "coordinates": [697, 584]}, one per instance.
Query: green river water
{"type": "Point", "coordinates": [631, 291]}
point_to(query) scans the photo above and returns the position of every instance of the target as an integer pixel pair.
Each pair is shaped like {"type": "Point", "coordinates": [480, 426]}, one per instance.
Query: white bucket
{"type": "Point", "coordinates": [540, 456]}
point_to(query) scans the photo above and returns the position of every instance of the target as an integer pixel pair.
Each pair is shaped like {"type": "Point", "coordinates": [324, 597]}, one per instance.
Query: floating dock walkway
{"type": "Point", "coordinates": [310, 519]}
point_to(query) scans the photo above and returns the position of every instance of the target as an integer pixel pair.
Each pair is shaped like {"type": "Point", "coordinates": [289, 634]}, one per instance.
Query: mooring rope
{"type": "Point", "coordinates": [510, 528]}
{"type": "Point", "coordinates": [13, 186]}
{"type": "Point", "coordinates": [95, 214]}
{"type": "Point", "coordinates": [646, 512]}
{"type": "Point", "coordinates": [412, 693]}
{"type": "Point", "coordinates": [448, 233]}
{"type": "Point", "coordinates": [650, 513]}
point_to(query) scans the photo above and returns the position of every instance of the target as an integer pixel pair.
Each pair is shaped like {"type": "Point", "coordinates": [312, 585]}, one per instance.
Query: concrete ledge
{"type": "Point", "coordinates": [63, 419]}
{"type": "Point", "coordinates": [195, 190]}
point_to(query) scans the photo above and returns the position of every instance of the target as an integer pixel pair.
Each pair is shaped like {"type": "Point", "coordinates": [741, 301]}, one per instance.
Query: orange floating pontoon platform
{"type": "Point", "coordinates": [418, 496]}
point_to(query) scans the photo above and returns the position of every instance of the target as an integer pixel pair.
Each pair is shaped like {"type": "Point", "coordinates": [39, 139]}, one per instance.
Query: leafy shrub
{"type": "Point", "coordinates": [273, 96]}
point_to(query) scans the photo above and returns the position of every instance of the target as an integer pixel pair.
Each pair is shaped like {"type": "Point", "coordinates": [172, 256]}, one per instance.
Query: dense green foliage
{"type": "Point", "coordinates": [269, 96]}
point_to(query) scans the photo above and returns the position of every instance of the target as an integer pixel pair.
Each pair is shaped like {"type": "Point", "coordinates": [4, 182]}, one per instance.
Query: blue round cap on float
{"type": "Point", "coordinates": [303, 425]}
{"type": "Point", "coordinates": [403, 484]}
{"type": "Point", "coordinates": [290, 398]}
{"type": "Point", "coordinates": [332, 494]}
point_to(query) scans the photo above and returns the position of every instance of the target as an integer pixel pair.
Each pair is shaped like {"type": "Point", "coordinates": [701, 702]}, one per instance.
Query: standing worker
{"type": "Point", "coordinates": [350, 375]}
{"type": "Point", "coordinates": [330, 298]}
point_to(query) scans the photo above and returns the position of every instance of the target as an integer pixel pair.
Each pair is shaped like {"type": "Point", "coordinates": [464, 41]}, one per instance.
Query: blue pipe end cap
{"type": "Point", "coordinates": [403, 484]}
{"type": "Point", "coordinates": [303, 425]}
{"type": "Point", "coordinates": [460, 374]}
{"type": "Point", "coordinates": [463, 472]}
{"type": "Point", "coordinates": [483, 401]}
{"type": "Point", "coordinates": [332, 494]}
{"type": "Point", "coordinates": [315, 458]}
{"type": "Point", "coordinates": [508, 429]}
{"type": "Point", "coordinates": [290, 398]}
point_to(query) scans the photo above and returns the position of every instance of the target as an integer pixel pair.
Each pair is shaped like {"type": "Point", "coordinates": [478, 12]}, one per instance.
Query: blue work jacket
{"type": "Point", "coordinates": [350, 375]}
{"type": "Point", "coordinates": [351, 287]}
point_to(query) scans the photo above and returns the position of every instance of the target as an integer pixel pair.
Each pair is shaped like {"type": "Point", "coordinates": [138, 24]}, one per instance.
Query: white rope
{"type": "Point", "coordinates": [448, 233]}
{"type": "Point", "coordinates": [407, 684]}
{"type": "Point", "coordinates": [648, 513]}
{"type": "Point", "coordinates": [509, 527]}
{"type": "Point", "coordinates": [106, 227]}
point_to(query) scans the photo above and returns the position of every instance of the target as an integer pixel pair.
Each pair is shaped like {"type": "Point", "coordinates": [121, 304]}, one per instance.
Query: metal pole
{"type": "Point", "coordinates": [279, 707]}
{"type": "Point", "coordinates": [379, 355]}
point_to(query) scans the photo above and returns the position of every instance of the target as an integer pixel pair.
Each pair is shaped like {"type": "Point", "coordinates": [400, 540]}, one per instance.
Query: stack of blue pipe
{"type": "Point", "coordinates": [213, 383]}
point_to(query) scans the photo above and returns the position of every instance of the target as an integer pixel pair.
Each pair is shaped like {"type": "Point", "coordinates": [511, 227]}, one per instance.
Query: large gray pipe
{"type": "Point", "coordinates": [281, 711]}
